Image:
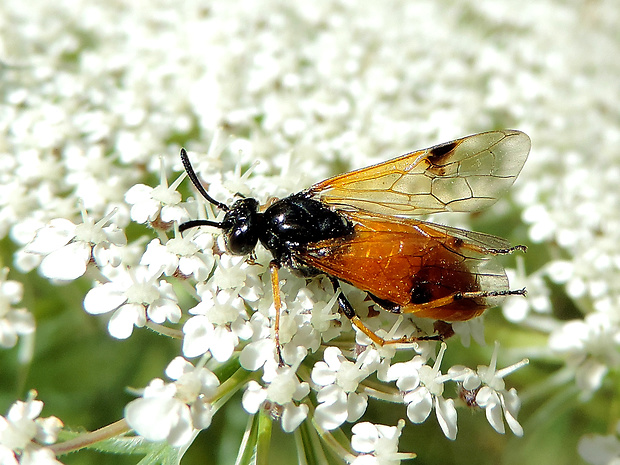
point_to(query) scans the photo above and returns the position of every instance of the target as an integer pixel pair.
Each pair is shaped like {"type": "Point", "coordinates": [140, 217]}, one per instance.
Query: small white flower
{"type": "Point", "coordinates": [262, 349]}
{"type": "Point", "coordinates": [159, 416]}
{"type": "Point", "coordinates": [590, 347]}
{"type": "Point", "coordinates": [196, 386]}
{"type": "Point", "coordinates": [22, 433]}
{"type": "Point", "coordinates": [68, 248]}
{"type": "Point", "coordinates": [468, 330]}
{"type": "Point", "coordinates": [182, 255]}
{"type": "Point", "coordinates": [495, 402]}
{"type": "Point", "coordinates": [377, 444]}
{"type": "Point", "coordinates": [516, 309]}
{"type": "Point", "coordinates": [322, 317]}
{"type": "Point", "coordinates": [173, 411]}
{"type": "Point", "coordinates": [488, 385]}
{"type": "Point", "coordinates": [133, 293]}
{"type": "Point", "coordinates": [16, 202]}
{"type": "Point", "coordinates": [14, 322]}
{"type": "Point", "coordinates": [422, 387]}
{"type": "Point", "coordinates": [159, 204]}
{"type": "Point", "coordinates": [339, 379]}
{"type": "Point", "coordinates": [220, 321]}
{"type": "Point", "coordinates": [230, 272]}
{"type": "Point", "coordinates": [284, 393]}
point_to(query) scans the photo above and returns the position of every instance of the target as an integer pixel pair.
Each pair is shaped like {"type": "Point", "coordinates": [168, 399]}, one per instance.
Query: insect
{"type": "Point", "coordinates": [360, 228]}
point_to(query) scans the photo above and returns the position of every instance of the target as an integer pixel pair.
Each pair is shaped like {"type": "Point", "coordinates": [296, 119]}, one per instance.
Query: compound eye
{"type": "Point", "coordinates": [241, 239]}
{"type": "Point", "coordinates": [241, 227]}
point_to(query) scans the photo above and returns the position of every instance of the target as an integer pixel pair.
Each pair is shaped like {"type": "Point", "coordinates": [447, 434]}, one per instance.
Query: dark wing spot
{"type": "Point", "coordinates": [421, 293]}
{"type": "Point", "coordinates": [437, 155]}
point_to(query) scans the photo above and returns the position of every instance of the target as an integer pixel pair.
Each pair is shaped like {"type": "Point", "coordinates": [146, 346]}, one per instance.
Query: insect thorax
{"type": "Point", "coordinates": [290, 224]}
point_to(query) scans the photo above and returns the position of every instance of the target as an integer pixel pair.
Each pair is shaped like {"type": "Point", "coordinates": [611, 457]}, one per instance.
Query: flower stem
{"type": "Point", "coordinates": [87, 439]}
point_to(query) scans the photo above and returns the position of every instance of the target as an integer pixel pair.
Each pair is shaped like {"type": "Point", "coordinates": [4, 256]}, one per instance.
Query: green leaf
{"type": "Point", "coordinates": [163, 454]}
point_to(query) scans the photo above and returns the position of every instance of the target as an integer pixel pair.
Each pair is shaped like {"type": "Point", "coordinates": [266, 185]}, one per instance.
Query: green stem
{"type": "Point", "coordinates": [87, 439]}
{"type": "Point", "coordinates": [164, 330]}
{"type": "Point", "coordinates": [265, 424]}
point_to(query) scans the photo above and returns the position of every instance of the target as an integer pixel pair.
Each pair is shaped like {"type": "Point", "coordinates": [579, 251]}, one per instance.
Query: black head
{"type": "Point", "coordinates": [240, 227]}
{"type": "Point", "coordinates": [240, 224]}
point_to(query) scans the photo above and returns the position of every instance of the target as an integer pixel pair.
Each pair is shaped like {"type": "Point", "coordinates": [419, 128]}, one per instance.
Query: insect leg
{"type": "Point", "coordinates": [346, 308]}
{"type": "Point", "coordinates": [455, 297]}
{"type": "Point", "coordinates": [274, 266]}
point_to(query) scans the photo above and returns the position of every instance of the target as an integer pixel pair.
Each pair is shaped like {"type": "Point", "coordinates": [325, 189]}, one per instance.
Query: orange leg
{"type": "Point", "coordinates": [346, 308]}
{"type": "Point", "coordinates": [442, 330]}
{"type": "Point", "coordinates": [451, 298]}
{"type": "Point", "coordinates": [274, 266]}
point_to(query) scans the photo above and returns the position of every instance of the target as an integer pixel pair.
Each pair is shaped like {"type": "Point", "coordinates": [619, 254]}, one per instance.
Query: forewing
{"type": "Point", "coordinates": [464, 175]}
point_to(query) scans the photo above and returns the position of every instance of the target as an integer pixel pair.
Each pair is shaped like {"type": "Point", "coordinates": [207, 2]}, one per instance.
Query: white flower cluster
{"type": "Point", "coordinates": [98, 97]}
{"type": "Point", "coordinates": [138, 291]}
{"type": "Point", "coordinates": [173, 411]}
{"type": "Point", "coordinates": [24, 436]}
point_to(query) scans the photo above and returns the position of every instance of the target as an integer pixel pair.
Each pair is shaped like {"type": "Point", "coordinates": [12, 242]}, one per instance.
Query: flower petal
{"type": "Point", "coordinates": [446, 416]}
{"type": "Point", "coordinates": [331, 416]}
{"type": "Point", "coordinates": [103, 299]}
{"type": "Point", "coordinates": [365, 437]}
{"type": "Point", "coordinates": [293, 415]}
{"type": "Point", "coordinates": [123, 320]}
{"type": "Point", "coordinates": [198, 332]}
{"type": "Point", "coordinates": [182, 429]}
{"type": "Point", "coordinates": [356, 406]}
{"type": "Point", "coordinates": [67, 263]}
{"type": "Point", "coordinates": [253, 397]}
{"type": "Point", "coordinates": [223, 344]}
{"type": "Point", "coordinates": [420, 404]}
{"type": "Point", "coordinates": [322, 374]}
{"type": "Point", "coordinates": [151, 417]}
{"type": "Point", "coordinates": [56, 234]}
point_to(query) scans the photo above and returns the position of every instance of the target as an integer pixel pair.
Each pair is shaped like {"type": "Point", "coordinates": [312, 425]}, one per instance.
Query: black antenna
{"type": "Point", "coordinates": [194, 223]}
{"type": "Point", "coordinates": [192, 175]}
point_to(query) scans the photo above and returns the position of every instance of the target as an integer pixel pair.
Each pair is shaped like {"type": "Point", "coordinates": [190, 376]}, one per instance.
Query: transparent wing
{"type": "Point", "coordinates": [464, 175]}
